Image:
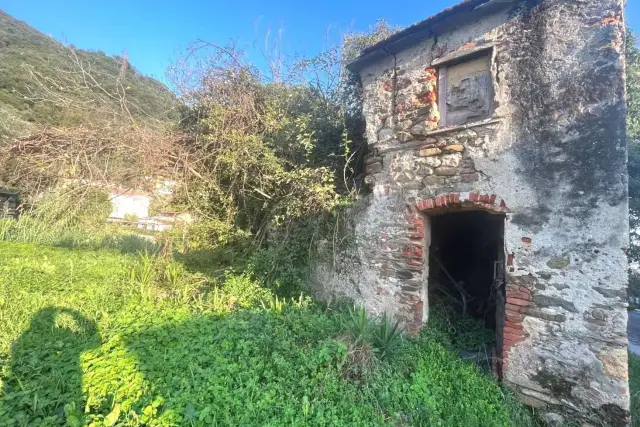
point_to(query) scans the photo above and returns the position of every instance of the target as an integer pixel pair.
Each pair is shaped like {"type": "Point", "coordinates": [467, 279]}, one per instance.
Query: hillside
{"type": "Point", "coordinates": [23, 48]}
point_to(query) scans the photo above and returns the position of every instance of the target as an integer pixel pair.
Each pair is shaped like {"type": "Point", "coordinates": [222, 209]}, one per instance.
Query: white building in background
{"type": "Point", "coordinates": [133, 207]}
{"type": "Point", "coordinates": [134, 203]}
{"type": "Point", "coordinates": [130, 204]}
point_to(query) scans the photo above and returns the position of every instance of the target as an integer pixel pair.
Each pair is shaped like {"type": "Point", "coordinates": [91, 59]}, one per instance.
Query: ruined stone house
{"type": "Point", "coordinates": [497, 169]}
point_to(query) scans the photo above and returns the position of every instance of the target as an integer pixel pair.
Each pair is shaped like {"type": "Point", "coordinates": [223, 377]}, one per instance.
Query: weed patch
{"type": "Point", "coordinates": [87, 345]}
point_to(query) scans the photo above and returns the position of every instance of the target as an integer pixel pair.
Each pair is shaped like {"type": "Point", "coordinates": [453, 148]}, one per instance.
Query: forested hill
{"type": "Point", "coordinates": [24, 51]}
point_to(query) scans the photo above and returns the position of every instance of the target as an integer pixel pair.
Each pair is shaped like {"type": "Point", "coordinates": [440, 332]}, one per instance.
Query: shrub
{"type": "Point", "coordinates": [245, 291]}
{"type": "Point", "coordinates": [356, 322]}
{"type": "Point", "coordinates": [131, 217]}
{"type": "Point", "coordinates": [280, 269]}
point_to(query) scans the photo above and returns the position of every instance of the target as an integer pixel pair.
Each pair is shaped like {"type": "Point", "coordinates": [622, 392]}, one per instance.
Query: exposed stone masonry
{"type": "Point", "coordinates": [550, 159]}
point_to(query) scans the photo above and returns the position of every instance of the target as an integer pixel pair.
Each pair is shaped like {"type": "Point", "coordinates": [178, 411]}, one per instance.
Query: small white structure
{"type": "Point", "coordinates": [130, 204]}
{"type": "Point", "coordinates": [132, 207]}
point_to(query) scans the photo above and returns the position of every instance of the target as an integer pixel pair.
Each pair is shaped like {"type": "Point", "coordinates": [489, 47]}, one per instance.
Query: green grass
{"type": "Point", "coordinates": [102, 236]}
{"type": "Point", "coordinates": [98, 337]}
{"type": "Point", "coordinates": [634, 388]}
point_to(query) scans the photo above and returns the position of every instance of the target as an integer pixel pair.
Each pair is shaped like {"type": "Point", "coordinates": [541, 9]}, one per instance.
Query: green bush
{"type": "Point", "coordinates": [356, 323]}
{"type": "Point", "coordinates": [245, 291]}
{"type": "Point", "coordinates": [387, 338]}
{"type": "Point", "coordinates": [283, 264]}
{"type": "Point", "coordinates": [131, 217]}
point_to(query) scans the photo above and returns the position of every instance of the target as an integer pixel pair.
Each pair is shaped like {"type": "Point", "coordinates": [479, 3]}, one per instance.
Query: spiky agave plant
{"type": "Point", "coordinates": [357, 324]}
{"type": "Point", "coordinates": [387, 338]}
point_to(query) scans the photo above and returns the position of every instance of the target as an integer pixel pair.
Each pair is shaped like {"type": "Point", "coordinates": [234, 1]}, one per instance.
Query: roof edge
{"type": "Point", "coordinates": [458, 14]}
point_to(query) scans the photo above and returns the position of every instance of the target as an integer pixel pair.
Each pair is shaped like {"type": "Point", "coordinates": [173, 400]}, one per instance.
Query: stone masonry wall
{"type": "Point", "coordinates": [552, 158]}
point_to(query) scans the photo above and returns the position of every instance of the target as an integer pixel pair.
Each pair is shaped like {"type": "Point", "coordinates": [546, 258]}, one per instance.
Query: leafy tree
{"type": "Point", "coordinates": [355, 43]}
{"type": "Point", "coordinates": [254, 145]}
{"type": "Point", "coordinates": [269, 148]}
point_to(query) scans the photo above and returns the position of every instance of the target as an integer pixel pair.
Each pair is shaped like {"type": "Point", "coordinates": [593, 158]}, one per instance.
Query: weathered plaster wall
{"type": "Point", "coordinates": [552, 156]}
{"type": "Point", "coordinates": [130, 204]}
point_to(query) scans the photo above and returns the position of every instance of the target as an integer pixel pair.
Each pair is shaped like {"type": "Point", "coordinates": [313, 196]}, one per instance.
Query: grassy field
{"type": "Point", "coordinates": [98, 337]}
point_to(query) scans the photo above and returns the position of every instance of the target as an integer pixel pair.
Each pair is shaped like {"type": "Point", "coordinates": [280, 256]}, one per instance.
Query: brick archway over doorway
{"type": "Point", "coordinates": [444, 203]}
{"type": "Point", "coordinates": [421, 213]}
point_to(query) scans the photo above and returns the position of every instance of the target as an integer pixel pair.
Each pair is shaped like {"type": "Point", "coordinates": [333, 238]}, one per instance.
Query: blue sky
{"type": "Point", "coordinates": [153, 32]}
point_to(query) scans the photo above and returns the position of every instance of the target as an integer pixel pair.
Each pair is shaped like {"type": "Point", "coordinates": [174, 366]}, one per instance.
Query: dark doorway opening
{"type": "Point", "coordinates": [466, 267]}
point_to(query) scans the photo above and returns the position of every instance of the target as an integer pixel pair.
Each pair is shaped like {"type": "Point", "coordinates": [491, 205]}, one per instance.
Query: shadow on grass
{"type": "Point", "coordinates": [211, 262]}
{"type": "Point", "coordinates": [247, 367]}
{"type": "Point", "coordinates": [131, 243]}
{"type": "Point", "coordinates": [124, 243]}
{"type": "Point", "coordinates": [43, 383]}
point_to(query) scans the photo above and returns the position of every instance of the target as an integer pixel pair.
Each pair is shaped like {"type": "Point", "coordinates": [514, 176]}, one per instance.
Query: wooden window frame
{"type": "Point", "coordinates": [441, 64]}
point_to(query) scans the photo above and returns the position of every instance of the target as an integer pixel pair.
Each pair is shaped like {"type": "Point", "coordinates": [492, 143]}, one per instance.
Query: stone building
{"type": "Point", "coordinates": [497, 169]}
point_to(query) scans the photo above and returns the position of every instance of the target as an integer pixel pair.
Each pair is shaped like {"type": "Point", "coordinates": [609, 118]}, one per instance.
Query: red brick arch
{"type": "Point", "coordinates": [440, 204]}
{"type": "Point", "coordinates": [518, 298]}
{"type": "Point", "coordinates": [461, 201]}
{"type": "Point", "coordinates": [414, 252]}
